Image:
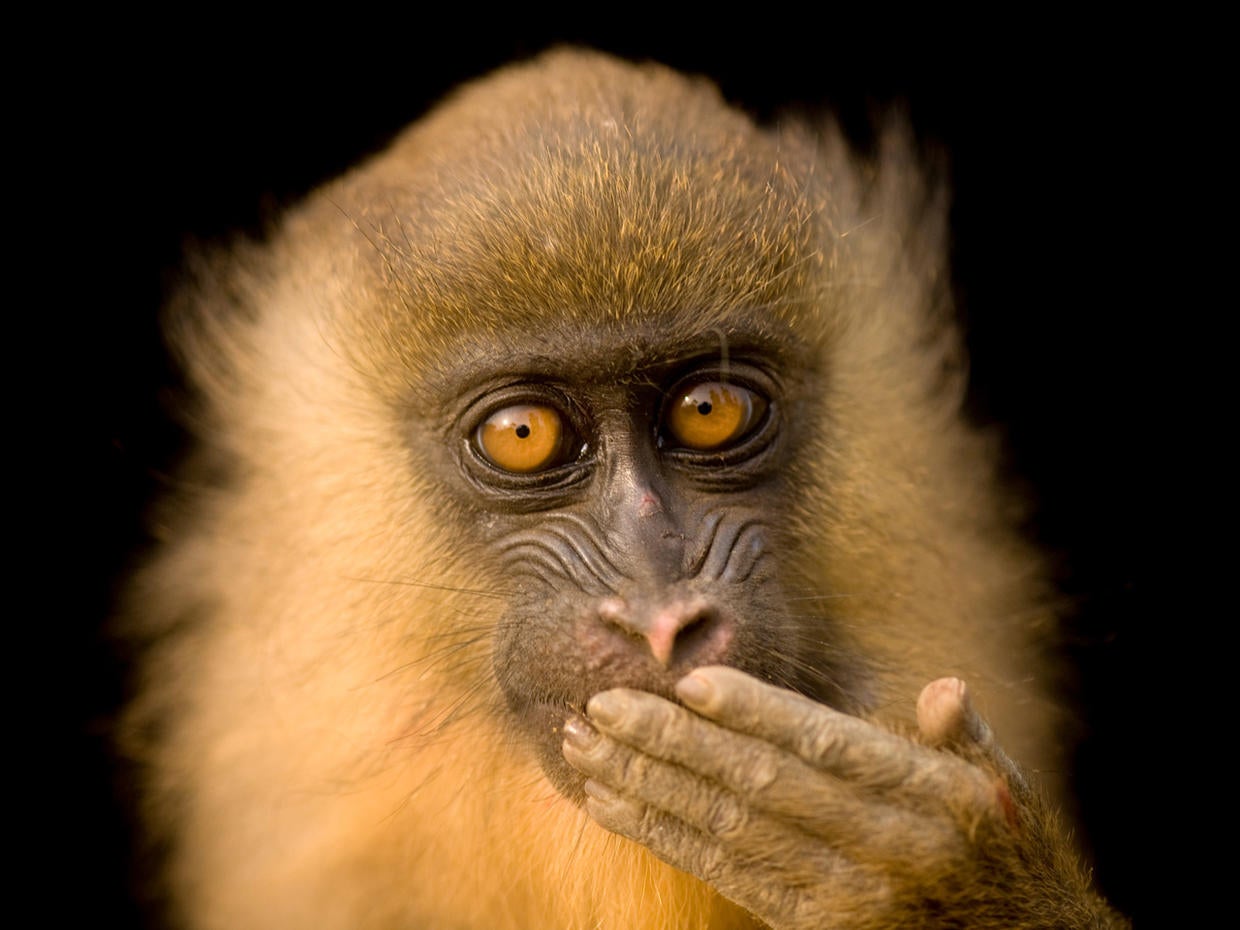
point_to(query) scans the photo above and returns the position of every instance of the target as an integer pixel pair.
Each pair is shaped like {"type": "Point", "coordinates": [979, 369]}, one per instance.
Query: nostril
{"type": "Point", "coordinates": [702, 640]}
{"type": "Point", "coordinates": [692, 636]}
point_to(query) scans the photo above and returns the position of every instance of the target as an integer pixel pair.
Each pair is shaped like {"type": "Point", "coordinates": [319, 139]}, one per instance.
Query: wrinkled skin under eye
{"type": "Point", "coordinates": [713, 415]}
{"type": "Point", "coordinates": [523, 438]}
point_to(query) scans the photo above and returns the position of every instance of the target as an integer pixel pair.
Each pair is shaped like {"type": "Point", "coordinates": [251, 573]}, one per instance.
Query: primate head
{"type": "Point", "coordinates": [586, 382]}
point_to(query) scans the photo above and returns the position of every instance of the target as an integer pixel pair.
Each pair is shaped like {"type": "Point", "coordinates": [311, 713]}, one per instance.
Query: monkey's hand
{"type": "Point", "coordinates": [811, 818]}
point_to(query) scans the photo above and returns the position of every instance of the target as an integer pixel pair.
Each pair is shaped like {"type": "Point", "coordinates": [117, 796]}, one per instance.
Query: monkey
{"type": "Point", "coordinates": [584, 532]}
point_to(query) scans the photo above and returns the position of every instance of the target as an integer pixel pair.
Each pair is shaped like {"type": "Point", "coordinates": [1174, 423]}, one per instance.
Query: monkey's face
{"type": "Point", "coordinates": [635, 515]}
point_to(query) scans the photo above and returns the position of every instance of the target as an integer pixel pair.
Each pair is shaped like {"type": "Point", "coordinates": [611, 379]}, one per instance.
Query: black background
{"type": "Point", "coordinates": [170, 133]}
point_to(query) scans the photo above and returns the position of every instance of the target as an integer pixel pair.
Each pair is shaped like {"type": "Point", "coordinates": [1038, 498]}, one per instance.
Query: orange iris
{"type": "Point", "coordinates": [523, 438]}
{"type": "Point", "coordinates": [713, 414]}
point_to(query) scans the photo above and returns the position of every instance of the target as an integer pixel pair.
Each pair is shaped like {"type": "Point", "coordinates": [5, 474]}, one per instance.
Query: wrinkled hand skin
{"type": "Point", "coordinates": [812, 819]}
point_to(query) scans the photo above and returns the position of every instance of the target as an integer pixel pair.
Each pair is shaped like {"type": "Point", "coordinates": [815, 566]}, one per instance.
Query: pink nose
{"type": "Point", "coordinates": [684, 630]}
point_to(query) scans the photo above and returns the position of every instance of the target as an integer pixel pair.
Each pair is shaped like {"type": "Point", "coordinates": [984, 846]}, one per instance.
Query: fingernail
{"type": "Point", "coordinates": [579, 733]}
{"type": "Point", "coordinates": [693, 689]}
{"type": "Point", "coordinates": [605, 708]}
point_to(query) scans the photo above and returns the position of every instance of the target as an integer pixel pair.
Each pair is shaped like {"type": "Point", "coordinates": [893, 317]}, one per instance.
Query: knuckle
{"type": "Point", "coordinates": [620, 815]}
{"type": "Point", "coordinates": [821, 744]}
{"type": "Point", "coordinates": [668, 730]}
{"type": "Point", "coordinates": [652, 825]}
{"type": "Point", "coordinates": [629, 767]}
{"type": "Point", "coordinates": [751, 774]}
{"type": "Point", "coordinates": [803, 909]}
{"type": "Point", "coordinates": [656, 729]}
{"type": "Point", "coordinates": [725, 818]}
{"type": "Point", "coordinates": [709, 863]}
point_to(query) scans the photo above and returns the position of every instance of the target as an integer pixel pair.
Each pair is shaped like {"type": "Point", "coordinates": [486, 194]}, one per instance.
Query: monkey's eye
{"type": "Point", "coordinates": [709, 415]}
{"type": "Point", "coordinates": [524, 438]}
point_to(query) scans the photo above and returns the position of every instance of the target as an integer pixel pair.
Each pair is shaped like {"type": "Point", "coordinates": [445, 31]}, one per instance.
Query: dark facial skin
{"type": "Point", "coordinates": [635, 557]}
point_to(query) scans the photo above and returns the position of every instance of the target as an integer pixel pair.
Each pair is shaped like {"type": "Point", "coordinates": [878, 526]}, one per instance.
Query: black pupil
{"type": "Point", "coordinates": [523, 431]}
{"type": "Point", "coordinates": [704, 407]}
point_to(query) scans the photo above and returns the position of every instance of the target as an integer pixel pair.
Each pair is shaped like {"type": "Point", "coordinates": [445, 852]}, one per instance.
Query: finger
{"type": "Point", "coordinates": [659, 728]}
{"type": "Point", "coordinates": [921, 789]}
{"type": "Point", "coordinates": [711, 811]}
{"type": "Point", "coordinates": [946, 717]}
{"type": "Point", "coordinates": [632, 787]}
{"type": "Point", "coordinates": [703, 796]}
{"type": "Point", "coordinates": [844, 746]}
{"type": "Point", "coordinates": [822, 736]}
{"type": "Point", "coordinates": [792, 817]}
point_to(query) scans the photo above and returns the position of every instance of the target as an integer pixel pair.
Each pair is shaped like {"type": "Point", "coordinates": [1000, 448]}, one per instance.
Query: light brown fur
{"type": "Point", "coordinates": [325, 744]}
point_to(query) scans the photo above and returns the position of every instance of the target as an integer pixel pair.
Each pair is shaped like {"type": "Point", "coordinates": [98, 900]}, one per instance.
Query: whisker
{"type": "Point", "coordinates": [454, 589]}
{"type": "Point", "coordinates": [434, 656]}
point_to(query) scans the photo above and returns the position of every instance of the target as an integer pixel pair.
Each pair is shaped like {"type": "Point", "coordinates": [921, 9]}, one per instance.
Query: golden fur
{"type": "Point", "coordinates": [325, 744]}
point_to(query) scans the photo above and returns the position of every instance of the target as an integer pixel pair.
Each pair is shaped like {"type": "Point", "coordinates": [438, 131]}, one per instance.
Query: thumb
{"type": "Point", "coordinates": [947, 720]}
